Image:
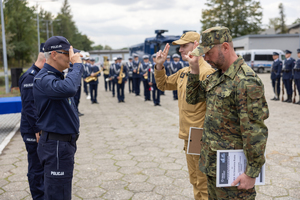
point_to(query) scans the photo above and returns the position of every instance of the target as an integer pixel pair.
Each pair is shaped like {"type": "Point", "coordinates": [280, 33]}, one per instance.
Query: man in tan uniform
{"type": "Point", "coordinates": [189, 115]}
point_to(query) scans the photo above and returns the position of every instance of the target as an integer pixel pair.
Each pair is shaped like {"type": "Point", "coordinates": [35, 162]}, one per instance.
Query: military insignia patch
{"type": "Point", "coordinates": [182, 74]}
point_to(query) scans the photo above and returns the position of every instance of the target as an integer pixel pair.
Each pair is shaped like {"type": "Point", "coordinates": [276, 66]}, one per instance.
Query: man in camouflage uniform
{"type": "Point", "coordinates": [235, 111]}
{"type": "Point", "coordinates": [189, 115]}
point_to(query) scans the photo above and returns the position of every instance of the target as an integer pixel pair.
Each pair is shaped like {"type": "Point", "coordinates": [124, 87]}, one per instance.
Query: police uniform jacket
{"type": "Point", "coordinates": [167, 68]}
{"type": "Point", "coordinates": [116, 72]}
{"type": "Point", "coordinates": [28, 114]}
{"type": "Point", "coordinates": [151, 77]}
{"type": "Point", "coordinates": [235, 112]}
{"type": "Point", "coordinates": [85, 70]}
{"type": "Point", "coordinates": [189, 115]}
{"type": "Point", "coordinates": [276, 69]}
{"type": "Point", "coordinates": [288, 68]}
{"type": "Point", "coordinates": [53, 97]}
{"type": "Point", "coordinates": [129, 66]}
{"type": "Point", "coordinates": [175, 66]}
{"type": "Point", "coordinates": [144, 67]}
{"type": "Point", "coordinates": [93, 69]}
{"type": "Point", "coordinates": [297, 70]}
{"type": "Point", "coordinates": [135, 66]}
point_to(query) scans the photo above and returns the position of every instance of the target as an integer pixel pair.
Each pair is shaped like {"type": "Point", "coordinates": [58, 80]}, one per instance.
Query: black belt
{"type": "Point", "coordinates": [60, 137]}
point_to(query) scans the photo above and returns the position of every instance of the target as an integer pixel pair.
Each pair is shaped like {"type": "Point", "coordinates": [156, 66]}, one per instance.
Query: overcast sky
{"type": "Point", "coordinates": [122, 23]}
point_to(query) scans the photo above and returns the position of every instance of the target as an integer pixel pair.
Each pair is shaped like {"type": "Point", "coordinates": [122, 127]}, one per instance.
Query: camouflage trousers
{"type": "Point", "coordinates": [197, 178]}
{"type": "Point", "coordinates": [232, 193]}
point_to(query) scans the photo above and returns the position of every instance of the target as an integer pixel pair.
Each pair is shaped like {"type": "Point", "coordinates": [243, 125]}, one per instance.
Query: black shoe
{"type": "Point", "coordinates": [93, 102]}
{"type": "Point", "coordinates": [119, 101]}
{"type": "Point", "coordinates": [96, 102]}
{"type": "Point", "coordinates": [298, 102]}
{"type": "Point", "coordinates": [113, 95]}
{"type": "Point", "coordinates": [274, 99]}
{"type": "Point", "coordinates": [123, 101]}
{"type": "Point", "coordinates": [80, 114]}
{"type": "Point", "coordinates": [158, 104]}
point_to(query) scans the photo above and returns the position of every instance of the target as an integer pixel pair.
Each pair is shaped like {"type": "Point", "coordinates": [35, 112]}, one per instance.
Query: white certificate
{"type": "Point", "coordinates": [231, 164]}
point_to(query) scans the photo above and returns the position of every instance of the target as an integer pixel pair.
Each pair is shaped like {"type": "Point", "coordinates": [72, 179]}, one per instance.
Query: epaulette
{"type": "Point", "coordinates": [247, 70]}
{"type": "Point", "coordinates": [33, 72]}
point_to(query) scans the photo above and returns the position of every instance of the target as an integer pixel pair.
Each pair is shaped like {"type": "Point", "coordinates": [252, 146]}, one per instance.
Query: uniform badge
{"type": "Point", "coordinates": [70, 101]}
{"type": "Point", "coordinates": [182, 74]}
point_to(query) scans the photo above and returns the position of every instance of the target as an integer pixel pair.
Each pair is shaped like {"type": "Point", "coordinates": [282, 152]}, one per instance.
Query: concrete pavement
{"type": "Point", "coordinates": [132, 151]}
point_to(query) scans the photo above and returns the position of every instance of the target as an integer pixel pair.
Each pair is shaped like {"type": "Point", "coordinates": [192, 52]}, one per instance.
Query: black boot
{"type": "Point", "coordinates": [298, 102]}
{"type": "Point", "coordinates": [289, 100]}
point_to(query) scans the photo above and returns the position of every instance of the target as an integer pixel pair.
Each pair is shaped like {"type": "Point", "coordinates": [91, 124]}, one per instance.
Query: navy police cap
{"type": "Point", "coordinates": [92, 59]}
{"type": "Point", "coordinates": [168, 56]}
{"type": "Point", "coordinates": [288, 51]}
{"type": "Point", "coordinates": [275, 54]}
{"type": "Point", "coordinates": [58, 43]}
{"type": "Point", "coordinates": [130, 58]}
{"type": "Point", "coordinates": [135, 55]}
{"type": "Point", "coordinates": [145, 57]}
{"type": "Point", "coordinates": [175, 55]}
{"type": "Point", "coordinates": [119, 58]}
{"type": "Point", "coordinates": [42, 47]}
{"type": "Point", "coordinates": [298, 50]}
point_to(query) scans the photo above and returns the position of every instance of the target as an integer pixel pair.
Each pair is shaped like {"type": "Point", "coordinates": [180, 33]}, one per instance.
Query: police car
{"type": "Point", "coordinates": [260, 60]}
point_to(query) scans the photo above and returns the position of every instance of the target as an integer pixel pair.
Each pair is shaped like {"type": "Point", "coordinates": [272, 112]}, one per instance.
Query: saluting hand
{"type": "Point", "coordinates": [193, 60]}
{"type": "Point", "coordinates": [161, 57]}
{"type": "Point", "coordinates": [74, 58]}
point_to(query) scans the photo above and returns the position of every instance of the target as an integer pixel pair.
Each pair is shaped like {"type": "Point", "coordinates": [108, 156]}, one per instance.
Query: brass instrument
{"type": "Point", "coordinates": [105, 65]}
{"type": "Point", "coordinates": [92, 78]}
{"type": "Point", "coordinates": [121, 75]}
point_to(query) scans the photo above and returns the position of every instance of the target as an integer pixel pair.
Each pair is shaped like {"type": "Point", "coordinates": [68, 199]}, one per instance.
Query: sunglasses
{"type": "Point", "coordinates": [61, 52]}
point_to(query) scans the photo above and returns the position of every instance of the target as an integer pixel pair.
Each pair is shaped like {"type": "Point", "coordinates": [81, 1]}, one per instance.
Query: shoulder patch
{"type": "Point", "coordinates": [33, 72]}
{"type": "Point", "coordinates": [247, 70]}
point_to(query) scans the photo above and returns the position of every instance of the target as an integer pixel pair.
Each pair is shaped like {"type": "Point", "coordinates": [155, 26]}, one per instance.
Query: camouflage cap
{"type": "Point", "coordinates": [211, 37]}
{"type": "Point", "coordinates": [187, 37]}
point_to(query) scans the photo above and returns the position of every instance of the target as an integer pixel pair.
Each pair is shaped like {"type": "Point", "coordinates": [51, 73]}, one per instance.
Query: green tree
{"type": "Point", "coordinates": [64, 25]}
{"type": "Point", "coordinates": [19, 20]}
{"type": "Point", "coordinates": [45, 20]}
{"type": "Point", "coordinates": [242, 17]}
{"type": "Point", "coordinates": [98, 47]}
{"type": "Point", "coordinates": [9, 48]}
{"type": "Point", "coordinates": [297, 21]}
{"type": "Point", "coordinates": [283, 28]}
{"type": "Point", "coordinates": [106, 47]}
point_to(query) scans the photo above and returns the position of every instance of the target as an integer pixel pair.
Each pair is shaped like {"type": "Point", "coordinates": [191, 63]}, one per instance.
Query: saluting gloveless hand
{"type": "Point", "coordinates": [161, 57]}
{"type": "Point", "coordinates": [74, 58]}
{"type": "Point", "coordinates": [193, 60]}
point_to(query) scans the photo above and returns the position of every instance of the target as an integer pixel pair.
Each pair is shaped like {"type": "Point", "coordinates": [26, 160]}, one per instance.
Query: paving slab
{"type": "Point", "coordinates": [132, 151]}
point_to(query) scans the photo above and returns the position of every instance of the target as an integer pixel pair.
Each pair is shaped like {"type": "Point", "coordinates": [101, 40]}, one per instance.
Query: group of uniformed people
{"type": "Point", "coordinates": [289, 72]}
{"type": "Point", "coordinates": [135, 71]}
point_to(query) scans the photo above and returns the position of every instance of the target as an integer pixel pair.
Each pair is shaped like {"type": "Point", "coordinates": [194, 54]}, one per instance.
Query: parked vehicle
{"type": "Point", "coordinates": [260, 60]}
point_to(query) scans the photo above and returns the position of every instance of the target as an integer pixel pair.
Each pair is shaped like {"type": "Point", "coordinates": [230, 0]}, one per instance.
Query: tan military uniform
{"type": "Point", "coordinates": [189, 116]}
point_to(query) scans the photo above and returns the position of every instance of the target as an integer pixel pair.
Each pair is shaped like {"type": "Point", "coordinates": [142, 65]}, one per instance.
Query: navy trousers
{"type": "Point", "coordinates": [288, 86]}
{"type": "Point", "coordinates": [93, 91]}
{"type": "Point", "coordinates": [120, 91]}
{"type": "Point", "coordinates": [113, 87]}
{"type": "Point", "coordinates": [85, 87]}
{"type": "Point", "coordinates": [57, 158]}
{"type": "Point", "coordinates": [297, 81]}
{"type": "Point", "coordinates": [136, 85]}
{"type": "Point", "coordinates": [35, 170]}
{"type": "Point", "coordinates": [175, 94]}
{"type": "Point", "coordinates": [155, 94]}
{"type": "Point", "coordinates": [107, 82]}
{"type": "Point", "coordinates": [77, 97]}
{"type": "Point", "coordinates": [130, 84]}
{"type": "Point", "coordinates": [146, 89]}
{"type": "Point", "coordinates": [276, 86]}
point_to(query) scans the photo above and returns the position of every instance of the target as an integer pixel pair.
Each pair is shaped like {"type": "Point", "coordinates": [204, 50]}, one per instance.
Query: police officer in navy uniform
{"type": "Point", "coordinates": [175, 66]}
{"type": "Point", "coordinates": [144, 67]}
{"type": "Point", "coordinates": [116, 74]}
{"type": "Point", "coordinates": [153, 87]}
{"type": "Point", "coordinates": [297, 74]}
{"type": "Point", "coordinates": [275, 75]}
{"type": "Point", "coordinates": [84, 75]}
{"type": "Point", "coordinates": [287, 76]}
{"type": "Point", "coordinates": [92, 70]}
{"type": "Point", "coordinates": [57, 116]}
{"type": "Point", "coordinates": [136, 76]}
{"type": "Point", "coordinates": [129, 66]}
{"type": "Point", "coordinates": [167, 65]}
{"type": "Point", "coordinates": [111, 76]}
{"type": "Point", "coordinates": [29, 129]}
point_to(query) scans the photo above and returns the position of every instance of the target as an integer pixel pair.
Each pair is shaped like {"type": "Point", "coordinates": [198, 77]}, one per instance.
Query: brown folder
{"type": "Point", "coordinates": [195, 141]}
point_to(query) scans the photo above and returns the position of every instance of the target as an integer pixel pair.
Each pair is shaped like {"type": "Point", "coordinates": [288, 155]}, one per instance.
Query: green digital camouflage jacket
{"type": "Point", "coordinates": [235, 112]}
